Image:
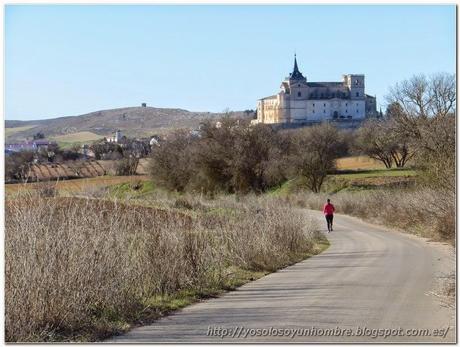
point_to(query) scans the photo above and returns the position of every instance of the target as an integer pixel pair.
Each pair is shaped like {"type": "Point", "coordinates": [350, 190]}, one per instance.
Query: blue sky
{"type": "Point", "coordinates": [65, 60]}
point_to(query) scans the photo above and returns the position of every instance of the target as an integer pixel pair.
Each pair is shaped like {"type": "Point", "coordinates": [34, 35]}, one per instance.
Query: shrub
{"type": "Point", "coordinates": [106, 150]}
{"type": "Point", "coordinates": [171, 165]}
{"type": "Point", "coordinates": [17, 165]}
{"type": "Point", "coordinates": [235, 157]}
{"type": "Point", "coordinates": [126, 166]}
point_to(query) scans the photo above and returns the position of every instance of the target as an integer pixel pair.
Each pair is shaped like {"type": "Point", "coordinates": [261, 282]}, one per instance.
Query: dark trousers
{"type": "Point", "coordinates": [329, 218]}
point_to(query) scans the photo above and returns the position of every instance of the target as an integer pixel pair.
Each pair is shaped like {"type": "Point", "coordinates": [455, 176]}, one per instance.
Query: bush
{"type": "Point", "coordinates": [106, 150]}
{"type": "Point", "coordinates": [70, 155]}
{"type": "Point", "coordinates": [171, 165]}
{"type": "Point", "coordinates": [17, 165]}
{"type": "Point", "coordinates": [126, 166]}
{"type": "Point", "coordinates": [238, 158]}
{"type": "Point", "coordinates": [231, 158]}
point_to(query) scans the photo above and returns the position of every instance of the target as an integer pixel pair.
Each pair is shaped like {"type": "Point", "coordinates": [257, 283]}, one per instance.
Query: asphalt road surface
{"type": "Point", "coordinates": [369, 283]}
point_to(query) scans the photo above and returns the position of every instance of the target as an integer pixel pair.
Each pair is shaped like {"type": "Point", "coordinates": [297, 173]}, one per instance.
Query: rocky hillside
{"type": "Point", "coordinates": [132, 121]}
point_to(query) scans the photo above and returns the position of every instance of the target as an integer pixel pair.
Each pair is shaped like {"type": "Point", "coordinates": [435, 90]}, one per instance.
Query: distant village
{"type": "Point", "coordinates": [40, 144]}
{"type": "Point", "coordinates": [41, 159]}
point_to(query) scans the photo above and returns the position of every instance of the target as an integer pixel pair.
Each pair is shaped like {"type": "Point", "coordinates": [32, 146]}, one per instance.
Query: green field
{"type": "Point", "coordinates": [82, 137]}
{"type": "Point", "coordinates": [377, 173]}
{"type": "Point", "coordinates": [354, 180]}
{"type": "Point", "coordinates": [12, 131]}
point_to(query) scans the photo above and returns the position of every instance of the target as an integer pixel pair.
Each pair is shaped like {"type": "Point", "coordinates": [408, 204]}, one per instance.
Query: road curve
{"type": "Point", "coordinates": [368, 279]}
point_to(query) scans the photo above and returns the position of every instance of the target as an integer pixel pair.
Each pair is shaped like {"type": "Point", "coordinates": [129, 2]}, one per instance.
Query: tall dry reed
{"type": "Point", "coordinates": [425, 211]}
{"type": "Point", "coordinates": [75, 264]}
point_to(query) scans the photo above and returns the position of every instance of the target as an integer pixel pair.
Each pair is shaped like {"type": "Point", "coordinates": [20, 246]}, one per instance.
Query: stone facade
{"type": "Point", "coordinates": [300, 101]}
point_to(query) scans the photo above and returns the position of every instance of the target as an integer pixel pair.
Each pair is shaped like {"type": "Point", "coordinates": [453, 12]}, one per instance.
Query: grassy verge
{"type": "Point", "coordinates": [107, 322]}
{"type": "Point", "coordinates": [155, 307]}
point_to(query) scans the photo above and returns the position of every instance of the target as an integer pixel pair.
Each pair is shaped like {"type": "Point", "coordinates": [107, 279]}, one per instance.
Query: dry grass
{"type": "Point", "coordinates": [82, 268]}
{"type": "Point", "coordinates": [358, 162]}
{"type": "Point", "coordinates": [12, 131]}
{"type": "Point", "coordinates": [75, 185]}
{"type": "Point", "coordinates": [423, 211]}
{"type": "Point", "coordinates": [81, 136]}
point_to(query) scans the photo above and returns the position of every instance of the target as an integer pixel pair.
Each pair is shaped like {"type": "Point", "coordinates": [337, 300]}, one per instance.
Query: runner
{"type": "Point", "coordinates": [328, 211]}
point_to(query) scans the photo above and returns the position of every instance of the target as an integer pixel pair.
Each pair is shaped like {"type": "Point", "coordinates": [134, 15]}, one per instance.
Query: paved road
{"type": "Point", "coordinates": [368, 278]}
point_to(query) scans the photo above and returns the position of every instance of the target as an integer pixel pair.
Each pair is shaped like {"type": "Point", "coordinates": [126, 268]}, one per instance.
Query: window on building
{"type": "Point", "coordinates": [313, 104]}
{"type": "Point", "coordinates": [324, 105]}
{"type": "Point", "coordinates": [346, 104]}
{"type": "Point", "coordinates": [299, 94]}
{"type": "Point", "coordinates": [357, 93]}
{"type": "Point", "coordinates": [324, 111]}
{"type": "Point", "coordinates": [346, 111]}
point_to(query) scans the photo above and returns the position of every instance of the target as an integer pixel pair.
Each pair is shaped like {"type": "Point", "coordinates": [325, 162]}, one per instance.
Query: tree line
{"type": "Point", "coordinates": [235, 157]}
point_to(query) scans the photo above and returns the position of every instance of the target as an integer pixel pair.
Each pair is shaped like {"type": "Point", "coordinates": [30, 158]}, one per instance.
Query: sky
{"type": "Point", "coordinates": [63, 60]}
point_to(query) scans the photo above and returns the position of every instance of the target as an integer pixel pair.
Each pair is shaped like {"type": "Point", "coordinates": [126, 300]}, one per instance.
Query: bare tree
{"type": "Point", "coordinates": [423, 110]}
{"type": "Point", "coordinates": [314, 152]}
{"type": "Point", "coordinates": [373, 140]}
{"type": "Point", "coordinates": [437, 154]}
{"type": "Point", "coordinates": [443, 94]}
{"type": "Point", "coordinates": [413, 96]}
{"type": "Point", "coordinates": [402, 149]}
{"type": "Point", "coordinates": [254, 149]}
{"type": "Point", "coordinates": [416, 100]}
{"type": "Point", "coordinates": [402, 154]}
{"type": "Point", "coordinates": [171, 164]}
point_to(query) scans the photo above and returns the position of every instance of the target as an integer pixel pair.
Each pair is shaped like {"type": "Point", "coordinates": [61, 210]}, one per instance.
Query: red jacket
{"type": "Point", "coordinates": [328, 209]}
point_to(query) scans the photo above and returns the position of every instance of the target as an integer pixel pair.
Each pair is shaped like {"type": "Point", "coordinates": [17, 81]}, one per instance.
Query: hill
{"type": "Point", "coordinates": [132, 121]}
